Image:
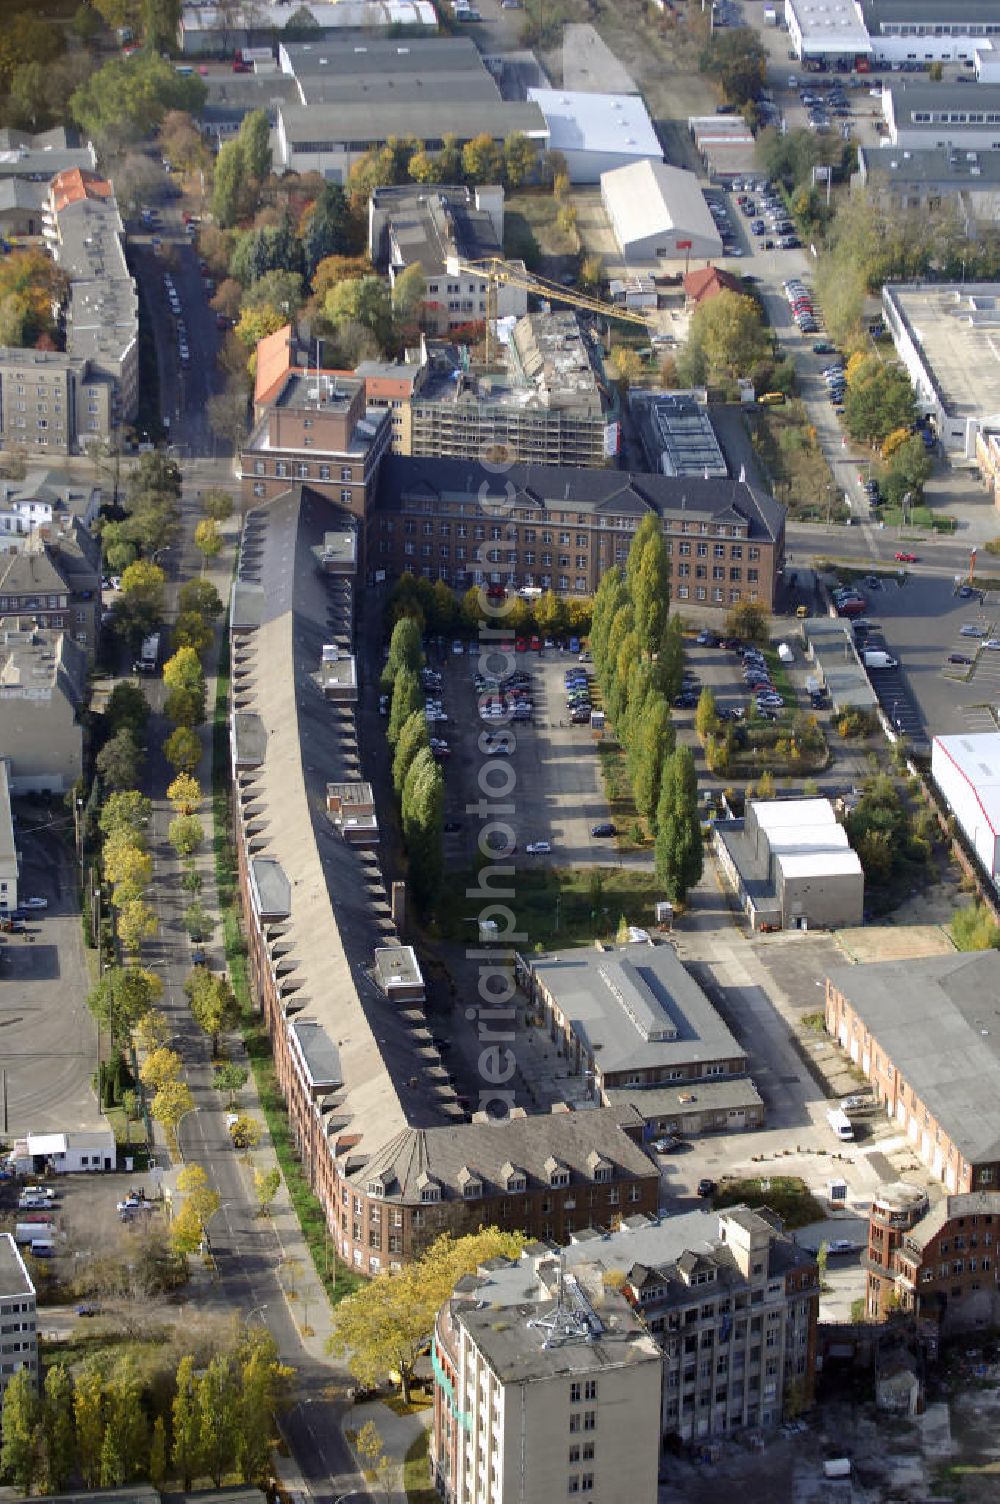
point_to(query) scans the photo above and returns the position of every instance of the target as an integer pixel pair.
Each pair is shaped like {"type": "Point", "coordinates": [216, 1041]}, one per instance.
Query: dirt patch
{"type": "Point", "coordinates": [886, 942]}
{"type": "Point", "coordinates": [596, 234]}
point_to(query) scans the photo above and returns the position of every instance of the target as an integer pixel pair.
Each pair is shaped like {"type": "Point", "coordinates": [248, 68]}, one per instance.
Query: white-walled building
{"type": "Point", "coordinates": [791, 865]}
{"type": "Point", "coordinates": [597, 132]}
{"type": "Point", "coordinates": [556, 1394]}
{"type": "Point", "coordinates": [18, 1319]}
{"type": "Point", "coordinates": [827, 30]}
{"type": "Point", "coordinates": [947, 336]}
{"type": "Point", "coordinates": [658, 213]}
{"type": "Point", "coordinates": [920, 113]}
{"type": "Point", "coordinates": [8, 847]}
{"type": "Point", "coordinates": [925, 31]}
{"type": "Point", "coordinates": [966, 771]}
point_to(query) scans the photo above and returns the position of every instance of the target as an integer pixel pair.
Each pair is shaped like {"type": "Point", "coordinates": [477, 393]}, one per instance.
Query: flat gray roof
{"type": "Point", "coordinates": [878, 13]}
{"type": "Point", "coordinates": [677, 433]}
{"type": "Point", "coordinates": [249, 737]}
{"type": "Point", "coordinates": [8, 846]}
{"type": "Point", "coordinates": [914, 95]}
{"type": "Point", "coordinates": [680, 1101]}
{"type": "Point", "coordinates": [14, 1277]}
{"type": "Point", "coordinates": [645, 1243]}
{"type": "Point", "coordinates": [635, 1006]}
{"type": "Point", "coordinates": [956, 328]}
{"type": "Point", "coordinates": [375, 120]}
{"type": "Point", "coordinates": [397, 966]}
{"type": "Point", "coordinates": [516, 1342]}
{"type": "Point", "coordinates": [357, 54]}
{"type": "Point", "coordinates": [972, 171]}
{"type": "Point", "coordinates": [271, 887]}
{"type": "Point", "coordinates": [936, 1020]}
{"type": "Point", "coordinates": [318, 1053]}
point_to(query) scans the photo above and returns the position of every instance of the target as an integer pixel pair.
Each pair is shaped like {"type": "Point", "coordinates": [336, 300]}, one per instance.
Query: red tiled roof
{"type": "Point", "coordinates": [73, 185]}
{"type": "Point", "coordinates": [709, 282]}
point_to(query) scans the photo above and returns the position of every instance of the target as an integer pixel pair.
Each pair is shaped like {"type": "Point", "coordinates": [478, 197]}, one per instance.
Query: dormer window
{"type": "Point", "coordinates": [512, 1178]}
{"type": "Point", "coordinates": [469, 1183]}
{"type": "Point", "coordinates": [557, 1173]}
{"type": "Point", "coordinates": [376, 1188]}
{"type": "Point", "coordinates": [429, 1189]}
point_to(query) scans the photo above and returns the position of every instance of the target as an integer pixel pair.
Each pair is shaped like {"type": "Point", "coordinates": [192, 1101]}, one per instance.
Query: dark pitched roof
{"type": "Point", "coordinates": [559, 488]}
{"type": "Point", "coordinates": [415, 1158]}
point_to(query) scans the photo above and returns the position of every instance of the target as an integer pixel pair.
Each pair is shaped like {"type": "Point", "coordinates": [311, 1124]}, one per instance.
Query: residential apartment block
{"type": "Point", "coordinates": [729, 1299]}
{"type": "Point", "coordinates": [918, 1031]}
{"type": "Point", "coordinates": [18, 1321]}
{"type": "Point", "coordinates": [43, 680]}
{"type": "Point", "coordinates": [444, 231]}
{"type": "Point", "coordinates": [52, 574]}
{"type": "Point", "coordinates": [554, 1394]}
{"type": "Point", "coordinates": [549, 403]}
{"type": "Point", "coordinates": [938, 1263]}
{"type": "Point", "coordinates": [58, 402]}
{"type": "Point", "coordinates": [49, 398]}
{"type": "Point", "coordinates": [312, 426]}
{"type": "Point", "coordinates": [375, 1117]}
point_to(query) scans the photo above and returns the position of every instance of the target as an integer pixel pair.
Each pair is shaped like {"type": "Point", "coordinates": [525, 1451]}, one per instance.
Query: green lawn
{"type": "Point", "coordinates": [560, 906]}
{"type": "Point", "coordinates": [785, 1194]}
{"type": "Point", "coordinates": [530, 229]}
{"type": "Point", "coordinates": [415, 1475]}
{"type": "Point", "coordinates": [633, 834]}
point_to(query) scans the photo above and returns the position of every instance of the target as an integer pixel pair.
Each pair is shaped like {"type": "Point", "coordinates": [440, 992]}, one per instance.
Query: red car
{"type": "Point", "coordinates": [904, 558]}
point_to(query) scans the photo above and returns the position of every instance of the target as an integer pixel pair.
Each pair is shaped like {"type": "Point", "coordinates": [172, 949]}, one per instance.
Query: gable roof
{"type": "Point", "coordinates": [708, 282]}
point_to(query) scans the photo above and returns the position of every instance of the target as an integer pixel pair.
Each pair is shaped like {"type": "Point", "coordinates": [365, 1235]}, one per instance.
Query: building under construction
{"type": "Point", "coordinates": [549, 403]}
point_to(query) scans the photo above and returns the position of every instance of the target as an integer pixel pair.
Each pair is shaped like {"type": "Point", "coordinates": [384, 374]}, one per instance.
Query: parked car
{"type": "Point", "coordinates": [538, 848]}
{"type": "Point", "coordinates": [706, 1187]}
{"type": "Point", "coordinates": [36, 903]}
{"type": "Point", "coordinates": [603, 830]}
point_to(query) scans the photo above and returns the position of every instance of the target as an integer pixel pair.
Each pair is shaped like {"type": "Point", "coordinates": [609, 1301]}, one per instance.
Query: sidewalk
{"type": "Point", "coordinates": [305, 1296]}
{"type": "Point", "coordinates": [398, 1433]}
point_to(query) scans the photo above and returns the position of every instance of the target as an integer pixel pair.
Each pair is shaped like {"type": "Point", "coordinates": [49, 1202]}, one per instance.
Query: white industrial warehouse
{"type": "Point", "coordinates": [966, 770]}
{"type": "Point", "coordinates": [596, 132]}
{"type": "Point", "coordinates": [658, 213]}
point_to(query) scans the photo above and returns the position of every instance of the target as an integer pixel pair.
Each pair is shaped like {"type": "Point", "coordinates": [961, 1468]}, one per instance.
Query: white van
{"type": "Point", "coordinates": [841, 1124]}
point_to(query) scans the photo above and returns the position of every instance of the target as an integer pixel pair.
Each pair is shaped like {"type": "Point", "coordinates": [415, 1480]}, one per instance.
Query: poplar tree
{"type": "Point", "coordinates": [653, 742]}
{"type": "Point", "coordinates": [58, 1438]}
{"type": "Point", "coordinates": [20, 1449]}
{"type": "Point", "coordinates": [407, 697]}
{"type": "Point", "coordinates": [413, 738]}
{"type": "Point", "coordinates": [88, 1394]}
{"type": "Point", "coordinates": [216, 1403]}
{"type": "Point", "coordinates": [679, 848]}
{"type": "Point", "coordinates": [186, 1449]}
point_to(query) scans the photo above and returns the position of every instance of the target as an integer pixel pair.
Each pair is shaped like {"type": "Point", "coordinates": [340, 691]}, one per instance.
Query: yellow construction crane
{"type": "Point", "coordinates": [496, 271]}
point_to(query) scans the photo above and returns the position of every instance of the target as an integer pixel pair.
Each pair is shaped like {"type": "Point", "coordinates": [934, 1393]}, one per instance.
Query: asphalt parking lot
{"type": "Point", "coordinates": [49, 1041]}
{"type": "Point", "coordinates": [86, 1221]}
{"type": "Point", "coordinates": [554, 775]}
{"type": "Point", "coordinates": [919, 622]}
